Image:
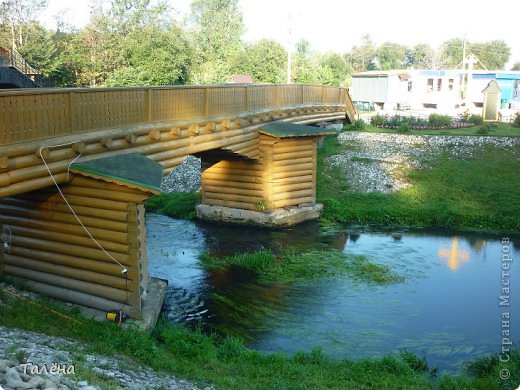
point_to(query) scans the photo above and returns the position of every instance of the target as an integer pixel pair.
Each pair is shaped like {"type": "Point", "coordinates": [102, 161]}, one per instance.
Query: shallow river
{"type": "Point", "coordinates": [447, 309]}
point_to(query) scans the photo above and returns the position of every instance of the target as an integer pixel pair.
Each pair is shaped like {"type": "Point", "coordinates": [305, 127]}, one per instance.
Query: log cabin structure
{"type": "Point", "coordinates": [100, 262]}
{"type": "Point", "coordinates": [277, 188]}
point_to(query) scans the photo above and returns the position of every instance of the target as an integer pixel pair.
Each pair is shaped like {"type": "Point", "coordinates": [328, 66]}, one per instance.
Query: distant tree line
{"type": "Point", "coordinates": [138, 42]}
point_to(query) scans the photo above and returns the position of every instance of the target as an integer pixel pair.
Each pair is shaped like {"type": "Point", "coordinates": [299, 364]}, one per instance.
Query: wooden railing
{"type": "Point", "coordinates": [32, 114]}
{"type": "Point", "coordinates": [14, 59]}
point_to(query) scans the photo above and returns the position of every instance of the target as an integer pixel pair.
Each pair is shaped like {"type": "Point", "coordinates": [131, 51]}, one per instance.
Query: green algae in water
{"type": "Point", "coordinates": [298, 265]}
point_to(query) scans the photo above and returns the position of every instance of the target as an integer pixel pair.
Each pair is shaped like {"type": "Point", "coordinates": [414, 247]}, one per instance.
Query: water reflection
{"type": "Point", "coordinates": [446, 316]}
{"type": "Point", "coordinates": [453, 257]}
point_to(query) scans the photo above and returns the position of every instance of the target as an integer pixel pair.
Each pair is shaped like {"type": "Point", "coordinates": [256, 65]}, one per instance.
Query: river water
{"type": "Point", "coordinates": [446, 309]}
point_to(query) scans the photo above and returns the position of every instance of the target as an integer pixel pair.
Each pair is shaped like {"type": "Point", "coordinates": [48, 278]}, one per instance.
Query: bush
{"type": "Point", "coordinates": [475, 120]}
{"type": "Point", "coordinates": [418, 122]}
{"type": "Point", "coordinates": [404, 127]}
{"type": "Point", "coordinates": [437, 120]}
{"type": "Point", "coordinates": [377, 120]}
{"type": "Point", "coordinates": [516, 122]}
{"type": "Point", "coordinates": [358, 124]}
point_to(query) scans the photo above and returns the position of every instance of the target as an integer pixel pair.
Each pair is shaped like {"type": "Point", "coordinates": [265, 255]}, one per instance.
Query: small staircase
{"type": "Point", "coordinates": [15, 72]}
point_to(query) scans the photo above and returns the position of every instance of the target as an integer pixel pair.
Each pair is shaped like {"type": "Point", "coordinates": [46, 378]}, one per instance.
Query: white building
{"type": "Point", "coordinates": [408, 88]}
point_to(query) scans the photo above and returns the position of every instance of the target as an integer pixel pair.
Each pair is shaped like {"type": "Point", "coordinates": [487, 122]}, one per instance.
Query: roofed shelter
{"type": "Point", "coordinates": [277, 189]}
{"type": "Point", "coordinates": [99, 262]}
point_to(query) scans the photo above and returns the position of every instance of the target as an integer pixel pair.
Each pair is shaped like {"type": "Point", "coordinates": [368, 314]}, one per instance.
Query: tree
{"type": "Point", "coordinates": [333, 69]}
{"type": "Point", "coordinates": [391, 56]}
{"type": "Point", "coordinates": [133, 42]}
{"type": "Point", "coordinates": [128, 16]}
{"type": "Point", "coordinates": [493, 54]}
{"type": "Point", "coordinates": [420, 56]}
{"type": "Point", "coordinates": [265, 61]}
{"type": "Point", "coordinates": [218, 29]}
{"type": "Point", "coordinates": [363, 55]}
{"type": "Point", "coordinates": [516, 66]}
{"type": "Point", "coordinates": [452, 52]}
{"type": "Point", "coordinates": [304, 65]}
{"type": "Point", "coordinates": [153, 57]}
{"type": "Point", "coordinates": [15, 17]}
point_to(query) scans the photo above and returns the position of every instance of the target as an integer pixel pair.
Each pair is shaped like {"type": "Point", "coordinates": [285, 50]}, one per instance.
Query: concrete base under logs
{"type": "Point", "coordinates": [278, 218]}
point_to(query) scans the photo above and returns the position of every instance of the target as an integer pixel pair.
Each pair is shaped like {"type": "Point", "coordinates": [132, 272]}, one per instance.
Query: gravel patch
{"type": "Point", "coordinates": [183, 178]}
{"type": "Point", "coordinates": [377, 162]}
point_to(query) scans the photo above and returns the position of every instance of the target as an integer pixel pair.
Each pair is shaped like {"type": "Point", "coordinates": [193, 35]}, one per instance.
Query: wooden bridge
{"type": "Point", "coordinates": [74, 137]}
{"type": "Point", "coordinates": [166, 124]}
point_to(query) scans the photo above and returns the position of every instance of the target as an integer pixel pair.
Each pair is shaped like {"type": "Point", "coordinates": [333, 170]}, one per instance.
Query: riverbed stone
{"type": "Point", "coordinates": [12, 375]}
{"type": "Point", "coordinates": [49, 384]}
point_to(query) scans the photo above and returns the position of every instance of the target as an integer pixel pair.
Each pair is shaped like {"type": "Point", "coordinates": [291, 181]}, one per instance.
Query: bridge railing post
{"type": "Point", "coordinates": [277, 95]}
{"type": "Point", "coordinates": [247, 98]}
{"type": "Point", "coordinates": [206, 101]}
{"type": "Point", "coordinates": [148, 104]}
{"type": "Point", "coordinates": [70, 112]}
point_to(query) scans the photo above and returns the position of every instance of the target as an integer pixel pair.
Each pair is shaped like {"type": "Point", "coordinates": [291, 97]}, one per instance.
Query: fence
{"type": "Point", "coordinates": [33, 114]}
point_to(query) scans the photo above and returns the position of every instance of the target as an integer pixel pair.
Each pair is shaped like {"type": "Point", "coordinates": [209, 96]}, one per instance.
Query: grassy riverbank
{"type": "Point", "coordinates": [498, 129]}
{"type": "Point", "coordinates": [292, 265]}
{"type": "Point", "coordinates": [226, 363]}
{"type": "Point", "coordinates": [476, 194]}
{"type": "Point", "coordinates": [175, 204]}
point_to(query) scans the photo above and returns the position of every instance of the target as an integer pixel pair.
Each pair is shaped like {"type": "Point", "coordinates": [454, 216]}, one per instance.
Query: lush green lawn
{"type": "Point", "coordinates": [499, 129]}
{"type": "Point", "coordinates": [227, 364]}
{"type": "Point", "coordinates": [479, 194]}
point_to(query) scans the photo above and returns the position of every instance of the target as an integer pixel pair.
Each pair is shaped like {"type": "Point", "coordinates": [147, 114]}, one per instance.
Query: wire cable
{"type": "Point", "coordinates": [125, 270]}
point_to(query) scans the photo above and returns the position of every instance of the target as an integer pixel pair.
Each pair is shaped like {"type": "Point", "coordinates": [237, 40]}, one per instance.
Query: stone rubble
{"type": "Point", "coordinates": [184, 177]}
{"type": "Point", "coordinates": [36, 350]}
{"type": "Point", "coordinates": [376, 162]}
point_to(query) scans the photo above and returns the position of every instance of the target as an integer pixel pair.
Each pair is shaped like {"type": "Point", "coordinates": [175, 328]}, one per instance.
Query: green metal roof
{"type": "Point", "coordinates": [131, 168]}
{"type": "Point", "coordinates": [288, 130]}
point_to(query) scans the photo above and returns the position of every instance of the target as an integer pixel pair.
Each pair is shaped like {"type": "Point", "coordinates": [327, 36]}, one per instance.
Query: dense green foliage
{"type": "Point", "coordinates": [175, 204]}
{"type": "Point", "coordinates": [226, 363]}
{"type": "Point", "coordinates": [292, 265]}
{"type": "Point", "coordinates": [141, 42]}
{"type": "Point", "coordinates": [265, 60]}
{"type": "Point", "coordinates": [479, 193]}
{"type": "Point", "coordinates": [381, 124]}
{"type": "Point", "coordinates": [439, 120]}
{"type": "Point", "coordinates": [358, 124]}
{"type": "Point", "coordinates": [516, 122]}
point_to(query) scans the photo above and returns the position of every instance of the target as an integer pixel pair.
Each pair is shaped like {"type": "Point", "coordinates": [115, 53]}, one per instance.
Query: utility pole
{"type": "Point", "coordinates": [289, 48]}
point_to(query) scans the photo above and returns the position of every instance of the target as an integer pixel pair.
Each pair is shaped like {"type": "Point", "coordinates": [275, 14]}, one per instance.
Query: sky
{"type": "Point", "coordinates": [337, 25]}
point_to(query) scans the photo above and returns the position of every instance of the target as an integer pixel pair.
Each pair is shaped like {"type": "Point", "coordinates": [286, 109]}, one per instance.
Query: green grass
{"type": "Point", "coordinates": [476, 194]}
{"type": "Point", "coordinates": [226, 363]}
{"type": "Point", "coordinates": [175, 204]}
{"type": "Point", "coordinates": [498, 129]}
{"type": "Point", "coordinates": [293, 265]}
